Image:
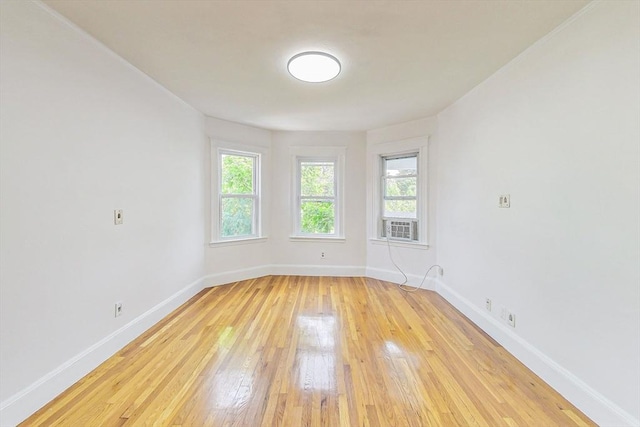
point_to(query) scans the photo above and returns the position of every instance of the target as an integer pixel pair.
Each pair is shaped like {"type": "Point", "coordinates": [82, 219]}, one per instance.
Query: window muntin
{"type": "Point", "coordinates": [400, 186]}
{"type": "Point", "coordinates": [238, 194]}
{"type": "Point", "coordinates": [316, 197]}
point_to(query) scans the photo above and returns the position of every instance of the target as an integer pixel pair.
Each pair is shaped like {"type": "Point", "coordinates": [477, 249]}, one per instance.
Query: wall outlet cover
{"type": "Point", "coordinates": [118, 309]}
{"type": "Point", "coordinates": [118, 216]}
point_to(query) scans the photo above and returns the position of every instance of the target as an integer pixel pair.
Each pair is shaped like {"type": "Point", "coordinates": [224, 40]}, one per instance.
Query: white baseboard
{"type": "Point", "coordinates": [236, 275]}
{"type": "Point", "coordinates": [317, 270]}
{"type": "Point", "coordinates": [282, 270]}
{"type": "Point", "coordinates": [24, 403]}
{"type": "Point", "coordinates": [394, 276]}
{"type": "Point", "coordinates": [596, 406]}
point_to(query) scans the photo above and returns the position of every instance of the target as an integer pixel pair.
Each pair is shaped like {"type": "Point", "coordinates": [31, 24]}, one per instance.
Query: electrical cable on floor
{"type": "Point", "coordinates": [406, 279]}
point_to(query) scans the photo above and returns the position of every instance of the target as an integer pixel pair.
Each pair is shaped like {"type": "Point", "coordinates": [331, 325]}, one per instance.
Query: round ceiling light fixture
{"type": "Point", "coordinates": [314, 67]}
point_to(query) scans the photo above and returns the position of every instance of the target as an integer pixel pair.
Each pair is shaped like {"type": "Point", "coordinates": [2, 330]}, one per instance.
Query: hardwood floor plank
{"type": "Point", "coordinates": [311, 351]}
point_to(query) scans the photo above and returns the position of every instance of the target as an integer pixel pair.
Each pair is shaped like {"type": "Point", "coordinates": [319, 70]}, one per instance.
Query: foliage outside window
{"type": "Point", "coordinates": [317, 197]}
{"type": "Point", "coordinates": [400, 182]}
{"type": "Point", "coordinates": [238, 194]}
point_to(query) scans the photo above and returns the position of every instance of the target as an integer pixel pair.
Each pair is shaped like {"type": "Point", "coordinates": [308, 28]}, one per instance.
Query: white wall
{"type": "Point", "coordinates": [83, 133]}
{"type": "Point", "coordinates": [558, 129]}
{"type": "Point", "coordinates": [414, 261]}
{"type": "Point", "coordinates": [303, 257]}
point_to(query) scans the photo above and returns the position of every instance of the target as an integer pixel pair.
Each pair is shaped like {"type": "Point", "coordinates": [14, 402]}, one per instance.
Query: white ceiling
{"type": "Point", "coordinates": [401, 60]}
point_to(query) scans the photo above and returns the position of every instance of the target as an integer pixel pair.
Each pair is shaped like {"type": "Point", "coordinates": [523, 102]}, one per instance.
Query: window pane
{"type": "Point", "coordinates": [400, 208]}
{"type": "Point", "coordinates": [237, 174]}
{"type": "Point", "coordinates": [237, 216]}
{"type": "Point", "coordinates": [316, 178]}
{"type": "Point", "coordinates": [402, 166]}
{"type": "Point", "coordinates": [400, 186]}
{"type": "Point", "coordinates": [317, 216]}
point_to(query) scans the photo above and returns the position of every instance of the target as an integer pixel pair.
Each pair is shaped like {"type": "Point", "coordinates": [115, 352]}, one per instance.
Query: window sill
{"type": "Point", "coordinates": [233, 242]}
{"type": "Point", "coordinates": [328, 239]}
{"type": "Point", "coordinates": [396, 243]}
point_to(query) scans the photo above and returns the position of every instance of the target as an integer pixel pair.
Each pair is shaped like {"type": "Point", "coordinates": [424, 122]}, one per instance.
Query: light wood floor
{"type": "Point", "coordinates": [310, 351]}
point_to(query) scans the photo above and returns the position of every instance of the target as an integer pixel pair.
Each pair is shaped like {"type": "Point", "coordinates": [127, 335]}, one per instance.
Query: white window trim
{"type": "Point", "coordinates": [320, 237]}
{"type": "Point", "coordinates": [336, 155]}
{"type": "Point", "coordinates": [218, 148]}
{"type": "Point", "coordinates": [396, 148]}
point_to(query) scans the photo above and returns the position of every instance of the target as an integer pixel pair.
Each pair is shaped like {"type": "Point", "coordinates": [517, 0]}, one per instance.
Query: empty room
{"type": "Point", "coordinates": [319, 213]}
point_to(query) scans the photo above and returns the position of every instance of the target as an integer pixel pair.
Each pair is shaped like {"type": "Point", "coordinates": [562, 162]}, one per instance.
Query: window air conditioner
{"type": "Point", "coordinates": [400, 229]}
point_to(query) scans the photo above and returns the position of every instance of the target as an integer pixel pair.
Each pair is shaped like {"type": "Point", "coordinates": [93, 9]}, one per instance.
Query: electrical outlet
{"type": "Point", "coordinates": [118, 309]}
{"type": "Point", "coordinates": [118, 217]}
{"type": "Point", "coordinates": [504, 201]}
{"type": "Point", "coordinates": [487, 304]}
{"type": "Point", "coordinates": [511, 319]}
{"type": "Point", "coordinates": [322, 255]}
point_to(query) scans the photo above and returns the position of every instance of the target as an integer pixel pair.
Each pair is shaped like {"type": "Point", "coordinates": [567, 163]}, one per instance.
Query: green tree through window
{"type": "Point", "coordinates": [317, 197]}
{"type": "Point", "coordinates": [238, 195]}
{"type": "Point", "coordinates": [400, 176]}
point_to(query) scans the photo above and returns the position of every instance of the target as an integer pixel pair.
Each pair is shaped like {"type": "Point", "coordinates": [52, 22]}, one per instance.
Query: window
{"type": "Point", "coordinates": [400, 179]}
{"type": "Point", "coordinates": [238, 194]}
{"type": "Point", "coordinates": [399, 194]}
{"type": "Point", "coordinates": [317, 198]}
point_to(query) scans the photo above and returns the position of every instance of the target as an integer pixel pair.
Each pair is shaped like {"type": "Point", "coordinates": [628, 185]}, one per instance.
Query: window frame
{"type": "Point", "coordinates": [218, 149]}
{"type": "Point", "coordinates": [254, 196]}
{"type": "Point", "coordinates": [300, 197]}
{"type": "Point", "coordinates": [375, 208]}
{"type": "Point", "coordinates": [336, 155]}
{"type": "Point", "coordinates": [384, 179]}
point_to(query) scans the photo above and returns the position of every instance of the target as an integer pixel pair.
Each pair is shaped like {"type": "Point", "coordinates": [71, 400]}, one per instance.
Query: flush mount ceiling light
{"type": "Point", "coordinates": [314, 67]}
